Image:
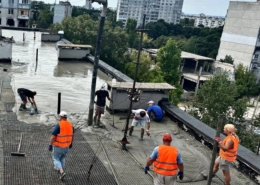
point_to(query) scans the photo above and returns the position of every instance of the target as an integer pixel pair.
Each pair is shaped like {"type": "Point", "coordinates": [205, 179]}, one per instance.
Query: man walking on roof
{"type": "Point", "coordinates": [228, 152]}
{"type": "Point", "coordinates": [60, 142]}
{"type": "Point", "coordinates": [101, 94]}
{"type": "Point", "coordinates": [167, 163]}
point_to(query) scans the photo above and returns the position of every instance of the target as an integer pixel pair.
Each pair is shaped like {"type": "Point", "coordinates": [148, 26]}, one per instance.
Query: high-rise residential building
{"type": "Point", "coordinates": [88, 4]}
{"type": "Point", "coordinates": [209, 21]}
{"type": "Point", "coordinates": [168, 10]}
{"type": "Point", "coordinates": [61, 10]}
{"type": "Point", "coordinates": [15, 13]}
{"type": "Point", "coordinates": [241, 37]}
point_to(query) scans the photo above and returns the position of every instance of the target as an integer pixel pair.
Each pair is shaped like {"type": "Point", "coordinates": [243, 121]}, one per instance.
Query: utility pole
{"type": "Point", "coordinates": [215, 147]}
{"type": "Point", "coordinates": [133, 90]}
{"type": "Point", "coordinates": [96, 60]}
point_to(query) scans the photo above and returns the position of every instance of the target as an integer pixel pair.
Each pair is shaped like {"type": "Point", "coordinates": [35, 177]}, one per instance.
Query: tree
{"type": "Point", "coordinates": [228, 59]}
{"type": "Point", "coordinates": [246, 82]}
{"type": "Point", "coordinates": [130, 29]}
{"type": "Point", "coordinates": [169, 60]}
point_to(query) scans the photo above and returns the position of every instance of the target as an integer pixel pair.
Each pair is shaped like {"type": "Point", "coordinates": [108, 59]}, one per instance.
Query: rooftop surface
{"type": "Point", "coordinates": [112, 164]}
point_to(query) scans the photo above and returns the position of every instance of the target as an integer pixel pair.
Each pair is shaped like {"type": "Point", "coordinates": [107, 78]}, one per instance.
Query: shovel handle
{"type": "Point", "coordinates": [19, 146]}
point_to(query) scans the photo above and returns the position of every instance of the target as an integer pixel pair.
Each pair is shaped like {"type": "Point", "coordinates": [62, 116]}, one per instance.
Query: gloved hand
{"type": "Point", "coordinates": [70, 146]}
{"type": "Point", "coordinates": [147, 132]}
{"type": "Point", "coordinates": [181, 175]}
{"type": "Point", "coordinates": [146, 169]}
{"type": "Point", "coordinates": [218, 139]}
{"type": "Point", "coordinates": [136, 118]}
{"type": "Point", "coordinates": [50, 148]}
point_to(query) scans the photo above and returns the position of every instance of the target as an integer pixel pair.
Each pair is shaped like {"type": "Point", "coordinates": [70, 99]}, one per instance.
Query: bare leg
{"type": "Point", "coordinates": [142, 133]}
{"type": "Point", "coordinates": [131, 129]}
{"type": "Point", "coordinates": [215, 168]}
{"type": "Point", "coordinates": [227, 177]}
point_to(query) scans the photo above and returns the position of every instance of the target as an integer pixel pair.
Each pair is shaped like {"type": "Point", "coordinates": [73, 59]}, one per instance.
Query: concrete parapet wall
{"type": "Point", "coordinates": [51, 37]}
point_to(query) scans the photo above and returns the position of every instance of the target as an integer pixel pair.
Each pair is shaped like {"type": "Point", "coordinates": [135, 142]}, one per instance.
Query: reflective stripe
{"type": "Point", "coordinates": [165, 162]}
{"type": "Point", "coordinates": [173, 169]}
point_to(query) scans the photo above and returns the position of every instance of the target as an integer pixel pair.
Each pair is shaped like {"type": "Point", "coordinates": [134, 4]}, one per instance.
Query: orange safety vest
{"type": "Point", "coordinates": [166, 162]}
{"type": "Point", "coordinates": [64, 138]}
{"type": "Point", "coordinates": [230, 154]}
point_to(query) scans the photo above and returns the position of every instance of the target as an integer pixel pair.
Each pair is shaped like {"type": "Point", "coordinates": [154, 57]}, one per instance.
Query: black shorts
{"type": "Point", "coordinates": [22, 96]}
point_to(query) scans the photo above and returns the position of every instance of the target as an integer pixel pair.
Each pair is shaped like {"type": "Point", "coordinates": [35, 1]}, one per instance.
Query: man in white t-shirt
{"type": "Point", "coordinates": [140, 117]}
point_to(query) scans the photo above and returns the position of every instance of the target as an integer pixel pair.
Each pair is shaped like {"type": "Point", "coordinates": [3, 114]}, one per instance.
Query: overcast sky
{"type": "Point", "coordinates": [208, 7]}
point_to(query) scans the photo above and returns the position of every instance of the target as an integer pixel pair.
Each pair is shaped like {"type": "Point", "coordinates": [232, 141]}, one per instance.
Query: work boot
{"type": "Point", "coordinates": [142, 136]}
{"type": "Point", "coordinates": [24, 107]}
{"type": "Point", "coordinates": [130, 131]}
{"type": "Point", "coordinates": [21, 107]}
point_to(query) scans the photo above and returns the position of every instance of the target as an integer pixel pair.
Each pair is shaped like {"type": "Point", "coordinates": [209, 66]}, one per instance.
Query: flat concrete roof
{"type": "Point", "coordinates": [194, 56]}
{"type": "Point", "coordinates": [74, 45]}
{"type": "Point", "coordinates": [194, 77]}
{"type": "Point", "coordinates": [183, 55]}
{"type": "Point", "coordinates": [139, 85]}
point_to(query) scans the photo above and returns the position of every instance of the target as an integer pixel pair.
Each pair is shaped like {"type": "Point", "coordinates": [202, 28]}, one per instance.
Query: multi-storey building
{"type": "Point", "coordinates": [241, 36]}
{"type": "Point", "coordinates": [168, 10]}
{"type": "Point", "coordinates": [61, 10]}
{"type": "Point", "coordinates": [209, 21]}
{"type": "Point", "coordinates": [88, 4]}
{"type": "Point", "coordinates": [15, 13]}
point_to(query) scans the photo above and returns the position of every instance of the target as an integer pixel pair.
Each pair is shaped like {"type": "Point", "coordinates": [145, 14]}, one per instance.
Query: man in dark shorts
{"type": "Point", "coordinates": [101, 94]}
{"type": "Point", "coordinates": [24, 94]}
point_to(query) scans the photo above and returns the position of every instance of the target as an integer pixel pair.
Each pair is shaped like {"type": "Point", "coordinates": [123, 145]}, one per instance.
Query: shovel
{"type": "Point", "coordinates": [18, 149]}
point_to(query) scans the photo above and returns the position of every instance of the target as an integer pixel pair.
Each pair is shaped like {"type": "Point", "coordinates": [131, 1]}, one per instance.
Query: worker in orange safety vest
{"type": "Point", "coordinates": [60, 142]}
{"type": "Point", "coordinates": [167, 163]}
{"type": "Point", "coordinates": [228, 152]}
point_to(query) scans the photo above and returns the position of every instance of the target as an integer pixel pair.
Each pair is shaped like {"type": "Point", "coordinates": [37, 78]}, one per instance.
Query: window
{"type": "Point", "coordinates": [256, 55]}
{"type": "Point", "coordinates": [11, 1]}
{"type": "Point", "coordinates": [22, 12]}
{"type": "Point", "coordinates": [24, 1]}
{"type": "Point", "coordinates": [10, 11]}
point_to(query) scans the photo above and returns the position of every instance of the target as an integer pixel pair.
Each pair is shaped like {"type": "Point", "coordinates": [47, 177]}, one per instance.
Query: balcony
{"type": "Point", "coordinates": [24, 6]}
{"type": "Point", "coordinates": [23, 17]}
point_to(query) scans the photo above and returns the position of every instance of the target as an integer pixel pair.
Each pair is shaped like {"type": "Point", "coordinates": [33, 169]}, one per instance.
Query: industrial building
{"type": "Point", "coordinates": [241, 38]}
{"type": "Point", "coordinates": [15, 13]}
{"type": "Point", "coordinates": [168, 10]}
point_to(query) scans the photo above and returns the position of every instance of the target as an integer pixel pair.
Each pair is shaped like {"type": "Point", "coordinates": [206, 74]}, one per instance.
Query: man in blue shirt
{"type": "Point", "coordinates": [154, 111]}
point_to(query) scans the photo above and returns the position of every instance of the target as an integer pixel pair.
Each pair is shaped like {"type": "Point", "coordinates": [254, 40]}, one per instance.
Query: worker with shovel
{"type": "Point", "coordinates": [60, 142]}
{"type": "Point", "coordinates": [24, 94]}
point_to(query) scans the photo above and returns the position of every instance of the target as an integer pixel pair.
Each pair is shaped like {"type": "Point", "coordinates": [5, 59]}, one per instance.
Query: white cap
{"type": "Point", "coordinates": [63, 114]}
{"type": "Point", "coordinates": [150, 102]}
{"type": "Point", "coordinates": [103, 87]}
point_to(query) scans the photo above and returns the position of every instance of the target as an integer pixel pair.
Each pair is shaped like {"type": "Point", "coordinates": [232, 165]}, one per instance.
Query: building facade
{"type": "Point", "coordinates": [241, 37]}
{"type": "Point", "coordinates": [15, 13]}
{"type": "Point", "coordinates": [88, 4]}
{"type": "Point", "coordinates": [209, 21]}
{"type": "Point", "coordinates": [61, 10]}
{"type": "Point", "coordinates": [168, 10]}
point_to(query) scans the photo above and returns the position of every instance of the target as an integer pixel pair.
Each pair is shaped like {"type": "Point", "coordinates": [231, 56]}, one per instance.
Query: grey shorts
{"type": "Point", "coordinates": [159, 179]}
{"type": "Point", "coordinates": [223, 164]}
{"type": "Point", "coordinates": [99, 110]}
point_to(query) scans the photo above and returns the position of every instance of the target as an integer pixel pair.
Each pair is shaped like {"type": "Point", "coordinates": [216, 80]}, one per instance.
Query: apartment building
{"type": "Point", "coordinates": [88, 4]}
{"type": "Point", "coordinates": [241, 36]}
{"type": "Point", "coordinates": [15, 13]}
{"type": "Point", "coordinates": [209, 21]}
{"type": "Point", "coordinates": [61, 10]}
{"type": "Point", "coordinates": [168, 10]}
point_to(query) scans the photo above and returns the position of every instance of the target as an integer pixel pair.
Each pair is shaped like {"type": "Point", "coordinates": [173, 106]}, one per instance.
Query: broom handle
{"type": "Point", "coordinates": [20, 143]}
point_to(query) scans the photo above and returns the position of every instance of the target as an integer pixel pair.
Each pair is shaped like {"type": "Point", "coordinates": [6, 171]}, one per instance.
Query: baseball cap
{"type": "Point", "coordinates": [150, 102]}
{"type": "Point", "coordinates": [167, 137]}
{"type": "Point", "coordinates": [103, 87]}
{"type": "Point", "coordinates": [63, 114]}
